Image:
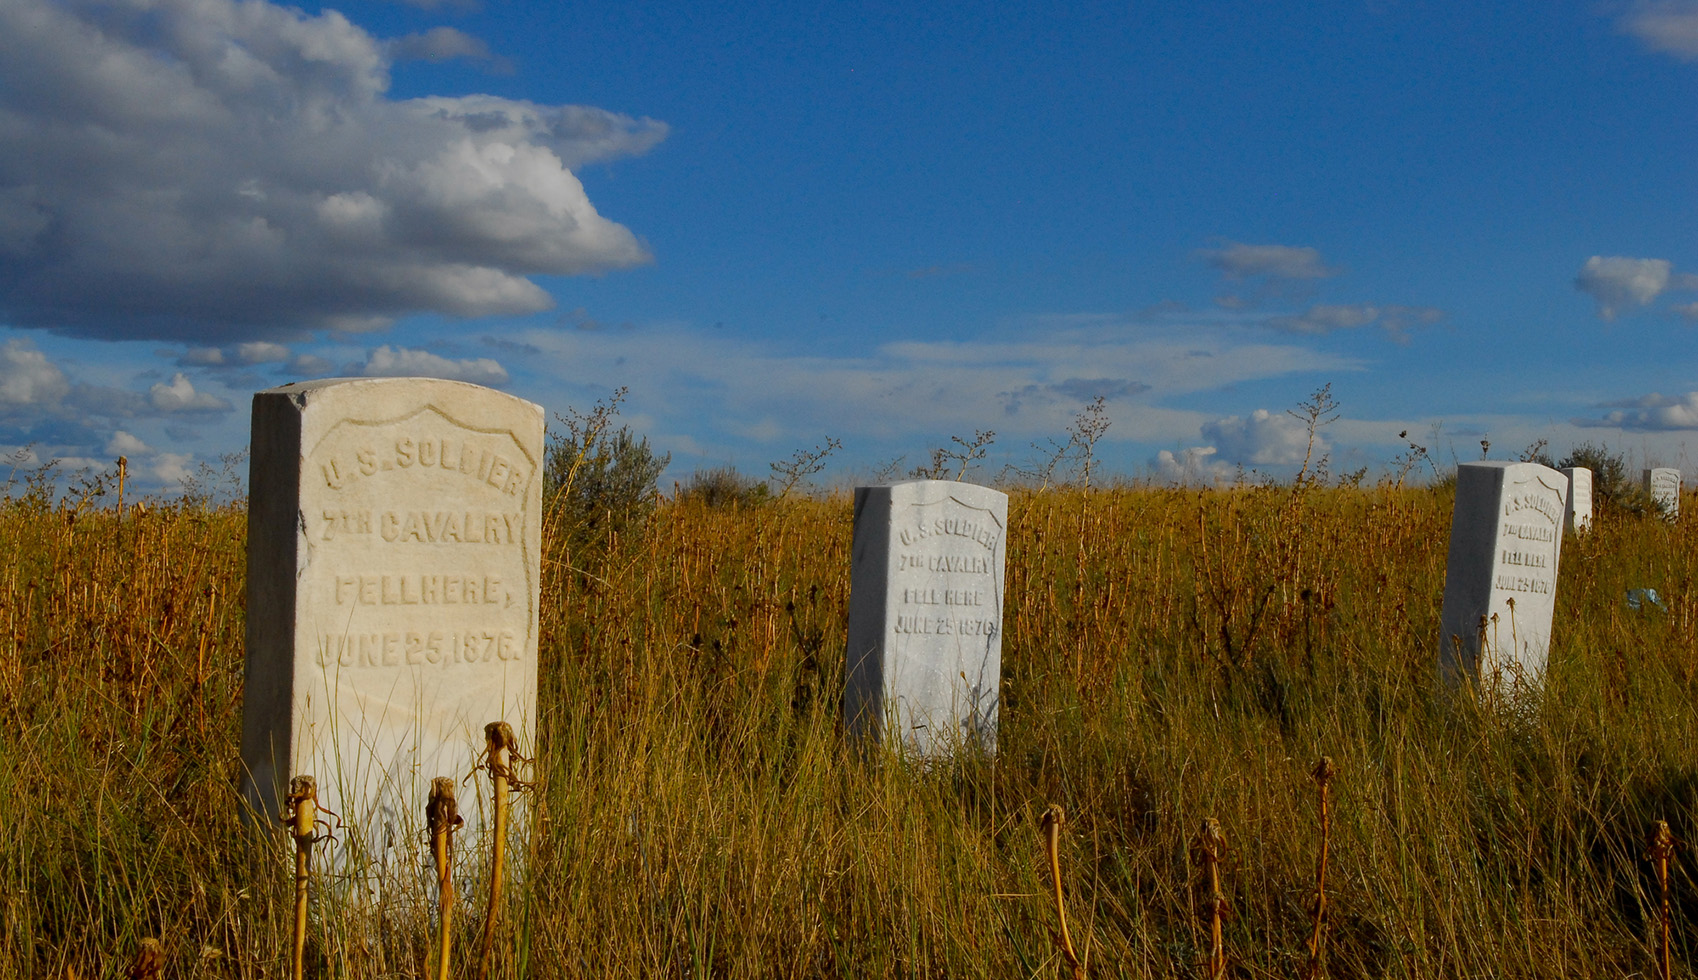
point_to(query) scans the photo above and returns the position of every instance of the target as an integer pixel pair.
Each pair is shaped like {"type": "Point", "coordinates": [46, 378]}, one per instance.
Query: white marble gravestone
{"type": "Point", "coordinates": [393, 563]}
{"type": "Point", "coordinates": [1501, 576]}
{"type": "Point", "coordinates": [1577, 518]}
{"type": "Point", "coordinates": [925, 615]}
{"type": "Point", "coordinates": [1663, 485]}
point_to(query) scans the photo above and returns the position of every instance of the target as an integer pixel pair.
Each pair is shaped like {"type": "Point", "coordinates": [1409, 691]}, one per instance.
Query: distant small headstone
{"type": "Point", "coordinates": [1577, 518]}
{"type": "Point", "coordinates": [1501, 576]}
{"type": "Point", "coordinates": [393, 566]}
{"type": "Point", "coordinates": [925, 615]}
{"type": "Point", "coordinates": [1662, 484]}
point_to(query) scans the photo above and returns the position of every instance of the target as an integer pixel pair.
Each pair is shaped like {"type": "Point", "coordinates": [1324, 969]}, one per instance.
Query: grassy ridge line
{"type": "Point", "coordinates": [1168, 655]}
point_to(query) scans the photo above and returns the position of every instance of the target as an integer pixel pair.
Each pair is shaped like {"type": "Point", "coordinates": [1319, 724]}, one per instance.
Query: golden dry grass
{"type": "Point", "coordinates": [1169, 656]}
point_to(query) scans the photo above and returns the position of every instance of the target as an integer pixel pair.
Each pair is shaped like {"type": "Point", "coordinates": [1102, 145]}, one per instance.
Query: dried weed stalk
{"type": "Point", "coordinates": [1659, 852]}
{"type": "Point", "coordinates": [1053, 818]}
{"type": "Point", "coordinates": [442, 817]}
{"type": "Point", "coordinates": [1211, 844]}
{"type": "Point", "coordinates": [1323, 778]}
{"type": "Point", "coordinates": [500, 752]}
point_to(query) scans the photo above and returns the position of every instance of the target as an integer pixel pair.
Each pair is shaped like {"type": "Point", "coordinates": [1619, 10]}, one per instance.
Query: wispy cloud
{"type": "Point", "coordinates": [1030, 378]}
{"type": "Point", "coordinates": [401, 362]}
{"type": "Point", "coordinates": [1670, 28]}
{"type": "Point", "coordinates": [939, 271]}
{"type": "Point", "coordinates": [1325, 318]}
{"type": "Point", "coordinates": [446, 44]}
{"type": "Point", "coordinates": [1236, 260]}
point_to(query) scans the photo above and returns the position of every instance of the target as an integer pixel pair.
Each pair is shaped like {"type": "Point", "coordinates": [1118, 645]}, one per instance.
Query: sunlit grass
{"type": "Point", "coordinates": [1169, 656]}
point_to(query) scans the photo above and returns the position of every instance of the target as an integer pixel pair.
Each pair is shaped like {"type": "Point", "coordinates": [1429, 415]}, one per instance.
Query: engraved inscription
{"type": "Point", "coordinates": [421, 590]}
{"type": "Point", "coordinates": [1528, 552]}
{"type": "Point", "coordinates": [480, 461]}
{"type": "Point", "coordinates": [961, 527]}
{"type": "Point", "coordinates": [420, 558]}
{"type": "Point", "coordinates": [395, 648]}
{"type": "Point", "coordinates": [948, 594]}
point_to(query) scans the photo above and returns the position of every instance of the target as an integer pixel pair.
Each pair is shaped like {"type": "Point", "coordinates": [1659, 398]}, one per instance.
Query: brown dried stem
{"type": "Point", "coordinates": [442, 816]}
{"type": "Point", "coordinates": [501, 751]}
{"type": "Point", "coordinates": [1053, 818]}
{"type": "Point", "coordinates": [1323, 777]}
{"type": "Point", "coordinates": [1659, 851]}
{"type": "Point", "coordinates": [302, 804]}
{"type": "Point", "coordinates": [1211, 841]}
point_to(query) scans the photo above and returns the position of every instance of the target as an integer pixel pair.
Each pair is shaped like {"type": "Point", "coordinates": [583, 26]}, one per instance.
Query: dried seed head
{"type": "Point", "coordinates": [443, 811]}
{"type": "Point", "coordinates": [303, 806]}
{"type": "Point", "coordinates": [302, 788]}
{"type": "Point", "coordinates": [150, 961]}
{"type": "Point", "coordinates": [1053, 817]}
{"type": "Point", "coordinates": [1661, 845]}
{"type": "Point", "coordinates": [1211, 838]}
{"type": "Point", "coordinates": [1324, 771]}
{"type": "Point", "coordinates": [500, 735]}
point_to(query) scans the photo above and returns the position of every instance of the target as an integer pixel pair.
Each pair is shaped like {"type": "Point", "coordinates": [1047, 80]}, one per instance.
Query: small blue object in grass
{"type": "Point", "coordinates": [1639, 598]}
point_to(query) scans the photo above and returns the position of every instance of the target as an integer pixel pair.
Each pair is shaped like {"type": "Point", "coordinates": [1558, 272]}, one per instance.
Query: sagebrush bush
{"type": "Point", "coordinates": [723, 486]}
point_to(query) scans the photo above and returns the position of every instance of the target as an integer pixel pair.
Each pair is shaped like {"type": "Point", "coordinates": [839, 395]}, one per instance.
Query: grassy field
{"type": "Point", "coordinates": [1169, 655]}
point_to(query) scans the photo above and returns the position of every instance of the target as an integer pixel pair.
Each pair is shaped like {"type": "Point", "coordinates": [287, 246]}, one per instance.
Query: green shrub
{"type": "Point", "coordinates": [597, 484]}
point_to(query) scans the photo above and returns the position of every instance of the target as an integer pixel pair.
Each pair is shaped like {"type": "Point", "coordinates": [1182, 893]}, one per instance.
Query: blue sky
{"type": "Point", "coordinates": [881, 223]}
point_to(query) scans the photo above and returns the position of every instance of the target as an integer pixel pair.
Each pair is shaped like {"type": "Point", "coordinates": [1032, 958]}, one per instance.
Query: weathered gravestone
{"type": "Point", "coordinates": [1577, 517]}
{"type": "Point", "coordinates": [393, 560]}
{"type": "Point", "coordinates": [1501, 577]}
{"type": "Point", "coordinates": [1662, 484]}
{"type": "Point", "coordinates": [925, 615]}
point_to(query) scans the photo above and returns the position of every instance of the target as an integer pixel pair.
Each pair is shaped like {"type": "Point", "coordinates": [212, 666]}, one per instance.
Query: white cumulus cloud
{"type": "Point", "coordinates": [1199, 465]}
{"type": "Point", "coordinates": [1619, 283]}
{"type": "Point", "coordinates": [124, 444]}
{"type": "Point", "coordinates": [28, 378]}
{"type": "Point", "coordinates": [216, 170]}
{"type": "Point", "coordinates": [169, 469]}
{"type": "Point", "coordinates": [1652, 413]}
{"type": "Point", "coordinates": [180, 397]}
{"type": "Point", "coordinates": [1263, 439]}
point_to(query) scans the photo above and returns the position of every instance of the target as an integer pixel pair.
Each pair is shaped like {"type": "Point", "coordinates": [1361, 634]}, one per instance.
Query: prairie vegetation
{"type": "Point", "coordinates": [1169, 656]}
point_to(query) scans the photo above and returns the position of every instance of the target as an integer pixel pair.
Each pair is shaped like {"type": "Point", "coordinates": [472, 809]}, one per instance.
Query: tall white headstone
{"type": "Point", "coordinates": [1501, 577]}
{"type": "Point", "coordinates": [925, 615]}
{"type": "Point", "coordinates": [393, 566]}
{"type": "Point", "coordinates": [1577, 518]}
{"type": "Point", "coordinates": [1663, 485]}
